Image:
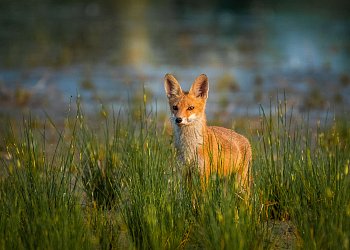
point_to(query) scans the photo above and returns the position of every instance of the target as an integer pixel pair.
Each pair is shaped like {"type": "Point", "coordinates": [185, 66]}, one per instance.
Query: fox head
{"type": "Point", "coordinates": [187, 107]}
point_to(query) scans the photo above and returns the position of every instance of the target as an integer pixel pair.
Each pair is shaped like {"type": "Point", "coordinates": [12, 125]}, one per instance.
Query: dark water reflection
{"type": "Point", "coordinates": [106, 52]}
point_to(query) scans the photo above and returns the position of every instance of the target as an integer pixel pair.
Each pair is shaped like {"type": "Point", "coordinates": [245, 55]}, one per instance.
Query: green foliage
{"type": "Point", "coordinates": [38, 206]}
{"type": "Point", "coordinates": [116, 183]}
{"type": "Point", "coordinates": [304, 176]}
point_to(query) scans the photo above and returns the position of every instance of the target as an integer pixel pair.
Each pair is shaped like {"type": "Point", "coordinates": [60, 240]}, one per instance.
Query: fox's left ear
{"type": "Point", "coordinates": [200, 87]}
{"type": "Point", "coordinates": [172, 87]}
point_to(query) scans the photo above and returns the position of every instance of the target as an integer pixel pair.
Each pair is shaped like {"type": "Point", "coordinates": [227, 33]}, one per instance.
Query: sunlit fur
{"type": "Point", "coordinates": [215, 149]}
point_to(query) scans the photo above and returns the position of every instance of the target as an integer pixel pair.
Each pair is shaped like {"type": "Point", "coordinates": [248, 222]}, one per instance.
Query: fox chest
{"type": "Point", "coordinates": [189, 144]}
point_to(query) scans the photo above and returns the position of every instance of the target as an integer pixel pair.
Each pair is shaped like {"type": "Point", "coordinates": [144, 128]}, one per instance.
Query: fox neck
{"type": "Point", "coordinates": [189, 138]}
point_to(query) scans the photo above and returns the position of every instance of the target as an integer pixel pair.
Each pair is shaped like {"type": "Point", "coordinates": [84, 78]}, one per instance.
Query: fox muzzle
{"type": "Point", "coordinates": [178, 120]}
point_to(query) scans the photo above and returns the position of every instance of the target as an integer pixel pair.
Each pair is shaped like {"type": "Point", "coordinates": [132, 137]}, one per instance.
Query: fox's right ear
{"type": "Point", "coordinates": [200, 87]}
{"type": "Point", "coordinates": [172, 87]}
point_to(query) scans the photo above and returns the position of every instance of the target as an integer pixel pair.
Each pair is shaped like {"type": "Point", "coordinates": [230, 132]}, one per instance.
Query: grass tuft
{"type": "Point", "coordinates": [116, 183]}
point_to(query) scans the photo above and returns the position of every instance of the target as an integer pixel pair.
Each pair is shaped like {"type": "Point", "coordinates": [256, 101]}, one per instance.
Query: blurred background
{"type": "Point", "coordinates": [110, 51]}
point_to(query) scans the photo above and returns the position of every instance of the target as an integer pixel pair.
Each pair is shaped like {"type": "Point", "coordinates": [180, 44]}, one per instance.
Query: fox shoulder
{"type": "Point", "coordinates": [228, 137]}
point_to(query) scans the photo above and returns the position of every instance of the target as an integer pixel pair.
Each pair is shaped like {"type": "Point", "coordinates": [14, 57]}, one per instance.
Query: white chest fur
{"type": "Point", "coordinates": [188, 139]}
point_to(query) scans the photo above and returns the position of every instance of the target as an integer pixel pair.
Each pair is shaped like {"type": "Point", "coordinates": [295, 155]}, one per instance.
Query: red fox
{"type": "Point", "coordinates": [213, 149]}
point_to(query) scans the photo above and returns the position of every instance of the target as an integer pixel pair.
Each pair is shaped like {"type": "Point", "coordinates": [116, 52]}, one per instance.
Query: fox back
{"type": "Point", "coordinates": [214, 149]}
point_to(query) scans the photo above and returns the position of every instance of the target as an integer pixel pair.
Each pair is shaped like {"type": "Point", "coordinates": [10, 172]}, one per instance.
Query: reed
{"type": "Point", "coordinates": [116, 183]}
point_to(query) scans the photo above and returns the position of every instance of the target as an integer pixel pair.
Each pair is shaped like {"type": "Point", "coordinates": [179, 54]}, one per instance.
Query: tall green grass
{"type": "Point", "coordinates": [116, 183]}
{"type": "Point", "coordinates": [304, 176]}
{"type": "Point", "coordinates": [38, 206]}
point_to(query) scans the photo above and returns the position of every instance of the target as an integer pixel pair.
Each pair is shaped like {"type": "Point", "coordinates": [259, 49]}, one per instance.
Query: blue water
{"type": "Point", "coordinates": [263, 52]}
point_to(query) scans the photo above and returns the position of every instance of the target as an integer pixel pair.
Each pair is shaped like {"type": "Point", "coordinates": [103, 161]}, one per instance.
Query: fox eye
{"type": "Point", "coordinates": [190, 108]}
{"type": "Point", "coordinates": [175, 108]}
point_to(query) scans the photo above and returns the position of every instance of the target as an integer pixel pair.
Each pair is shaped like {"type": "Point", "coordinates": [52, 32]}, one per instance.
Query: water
{"type": "Point", "coordinates": [106, 53]}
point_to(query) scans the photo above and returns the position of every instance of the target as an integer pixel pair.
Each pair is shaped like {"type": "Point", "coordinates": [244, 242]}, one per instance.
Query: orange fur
{"type": "Point", "coordinates": [215, 149]}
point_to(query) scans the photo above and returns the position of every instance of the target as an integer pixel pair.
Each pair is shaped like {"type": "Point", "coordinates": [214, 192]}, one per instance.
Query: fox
{"type": "Point", "coordinates": [213, 149]}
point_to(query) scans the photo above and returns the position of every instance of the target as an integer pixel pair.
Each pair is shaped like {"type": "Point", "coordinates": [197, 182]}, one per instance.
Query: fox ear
{"type": "Point", "coordinates": [200, 87]}
{"type": "Point", "coordinates": [172, 87]}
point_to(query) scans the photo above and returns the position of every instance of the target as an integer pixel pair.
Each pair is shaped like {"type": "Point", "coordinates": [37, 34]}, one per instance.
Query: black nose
{"type": "Point", "coordinates": [178, 120]}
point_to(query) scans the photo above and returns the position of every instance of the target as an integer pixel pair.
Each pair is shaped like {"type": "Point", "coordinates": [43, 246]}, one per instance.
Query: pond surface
{"type": "Point", "coordinates": [106, 53]}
